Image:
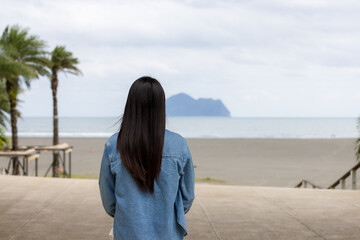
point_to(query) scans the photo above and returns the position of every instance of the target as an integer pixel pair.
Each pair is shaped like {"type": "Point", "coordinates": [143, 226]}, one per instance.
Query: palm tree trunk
{"type": "Point", "coordinates": [56, 163]}
{"type": "Point", "coordinates": [11, 90]}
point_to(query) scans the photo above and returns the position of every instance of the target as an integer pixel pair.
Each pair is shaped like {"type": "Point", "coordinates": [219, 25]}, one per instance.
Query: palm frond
{"type": "Point", "coordinates": [10, 69]}
{"type": "Point", "coordinates": [4, 104]}
{"type": "Point", "coordinates": [64, 61]}
{"type": "Point", "coordinates": [27, 51]}
{"type": "Point", "coordinates": [4, 140]}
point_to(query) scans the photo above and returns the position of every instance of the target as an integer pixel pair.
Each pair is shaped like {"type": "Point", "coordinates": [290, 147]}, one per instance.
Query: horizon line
{"type": "Point", "coordinates": [199, 117]}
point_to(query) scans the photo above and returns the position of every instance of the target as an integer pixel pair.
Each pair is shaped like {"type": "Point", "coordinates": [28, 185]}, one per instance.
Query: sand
{"type": "Point", "coordinates": [246, 162]}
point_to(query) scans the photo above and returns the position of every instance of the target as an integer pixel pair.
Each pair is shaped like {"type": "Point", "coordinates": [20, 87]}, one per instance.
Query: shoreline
{"type": "Point", "coordinates": [196, 138]}
{"type": "Point", "coordinates": [232, 161]}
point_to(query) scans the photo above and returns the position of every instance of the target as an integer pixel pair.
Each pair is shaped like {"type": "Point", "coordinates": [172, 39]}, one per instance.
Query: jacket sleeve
{"type": "Point", "coordinates": [107, 185]}
{"type": "Point", "coordinates": [187, 182]}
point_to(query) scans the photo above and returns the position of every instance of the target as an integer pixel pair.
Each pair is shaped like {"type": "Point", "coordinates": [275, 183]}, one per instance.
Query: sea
{"type": "Point", "coordinates": [198, 127]}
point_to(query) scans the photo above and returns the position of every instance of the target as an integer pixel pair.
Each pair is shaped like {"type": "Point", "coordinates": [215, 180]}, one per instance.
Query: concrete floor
{"type": "Point", "coordinates": [47, 208]}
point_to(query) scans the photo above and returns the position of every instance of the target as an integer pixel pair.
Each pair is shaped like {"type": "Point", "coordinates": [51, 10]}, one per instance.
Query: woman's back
{"type": "Point", "coordinates": [143, 215]}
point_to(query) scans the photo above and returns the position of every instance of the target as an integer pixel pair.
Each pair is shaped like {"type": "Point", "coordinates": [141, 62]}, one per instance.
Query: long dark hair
{"type": "Point", "coordinates": [141, 137]}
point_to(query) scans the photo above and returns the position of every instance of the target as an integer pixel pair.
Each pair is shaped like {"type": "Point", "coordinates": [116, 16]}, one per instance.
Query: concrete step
{"type": "Point", "coordinates": [47, 208]}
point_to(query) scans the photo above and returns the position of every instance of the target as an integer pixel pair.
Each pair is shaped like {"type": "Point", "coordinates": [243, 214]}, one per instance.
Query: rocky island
{"type": "Point", "coordinates": [184, 105]}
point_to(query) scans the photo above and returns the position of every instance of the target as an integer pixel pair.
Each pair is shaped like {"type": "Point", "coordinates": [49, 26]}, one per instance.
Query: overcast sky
{"type": "Point", "coordinates": [261, 58]}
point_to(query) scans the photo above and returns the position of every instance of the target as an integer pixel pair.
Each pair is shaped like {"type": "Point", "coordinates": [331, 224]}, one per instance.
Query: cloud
{"type": "Point", "coordinates": [275, 51]}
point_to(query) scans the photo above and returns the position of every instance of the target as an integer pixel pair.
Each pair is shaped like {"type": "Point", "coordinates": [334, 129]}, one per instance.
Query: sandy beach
{"type": "Point", "coordinates": [246, 162]}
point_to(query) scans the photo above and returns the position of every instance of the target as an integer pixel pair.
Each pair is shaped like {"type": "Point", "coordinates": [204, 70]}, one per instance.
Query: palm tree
{"type": "Point", "coordinates": [4, 140]}
{"type": "Point", "coordinates": [4, 110]}
{"type": "Point", "coordinates": [61, 61]}
{"type": "Point", "coordinates": [358, 142]}
{"type": "Point", "coordinates": [27, 59]}
{"type": "Point", "coordinates": [6, 69]}
{"type": "Point", "coordinates": [9, 69]}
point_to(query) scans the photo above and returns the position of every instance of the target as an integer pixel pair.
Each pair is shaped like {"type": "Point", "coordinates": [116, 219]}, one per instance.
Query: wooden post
{"type": "Point", "coordinates": [69, 164]}
{"type": "Point", "coordinates": [305, 184]}
{"type": "Point", "coordinates": [23, 166]}
{"type": "Point", "coordinates": [36, 167]}
{"type": "Point", "coordinates": [27, 166]}
{"type": "Point", "coordinates": [353, 175]}
{"type": "Point", "coordinates": [64, 158]}
{"type": "Point", "coordinates": [342, 181]}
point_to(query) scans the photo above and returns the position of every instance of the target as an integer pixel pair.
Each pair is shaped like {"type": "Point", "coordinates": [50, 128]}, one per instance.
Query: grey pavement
{"type": "Point", "coordinates": [51, 209]}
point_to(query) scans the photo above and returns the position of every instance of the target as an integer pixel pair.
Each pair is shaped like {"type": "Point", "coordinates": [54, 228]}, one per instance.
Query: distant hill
{"type": "Point", "coordinates": [183, 105]}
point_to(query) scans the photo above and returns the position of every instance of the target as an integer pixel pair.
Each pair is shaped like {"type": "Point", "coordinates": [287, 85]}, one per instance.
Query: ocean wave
{"type": "Point", "coordinates": [205, 127]}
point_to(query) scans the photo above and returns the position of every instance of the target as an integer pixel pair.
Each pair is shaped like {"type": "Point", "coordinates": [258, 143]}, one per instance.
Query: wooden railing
{"type": "Point", "coordinates": [304, 183]}
{"type": "Point", "coordinates": [341, 181]}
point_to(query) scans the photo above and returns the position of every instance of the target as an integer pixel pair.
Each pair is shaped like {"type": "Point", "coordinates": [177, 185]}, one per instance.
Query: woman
{"type": "Point", "coordinates": [147, 176]}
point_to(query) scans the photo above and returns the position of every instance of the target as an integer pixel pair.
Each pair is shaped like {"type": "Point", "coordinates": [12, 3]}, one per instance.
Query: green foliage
{"type": "Point", "coordinates": [4, 140]}
{"type": "Point", "coordinates": [4, 103]}
{"type": "Point", "coordinates": [62, 60]}
{"type": "Point", "coordinates": [23, 55]}
{"type": "Point", "coordinates": [10, 69]}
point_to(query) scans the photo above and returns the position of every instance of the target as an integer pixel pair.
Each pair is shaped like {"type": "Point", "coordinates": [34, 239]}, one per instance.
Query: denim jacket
{"type": "Point", "coordinates": [139, 215]}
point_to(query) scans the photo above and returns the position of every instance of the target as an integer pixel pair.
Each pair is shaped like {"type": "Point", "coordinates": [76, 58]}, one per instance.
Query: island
{"type": "Point", "coordinates": [184, 105]}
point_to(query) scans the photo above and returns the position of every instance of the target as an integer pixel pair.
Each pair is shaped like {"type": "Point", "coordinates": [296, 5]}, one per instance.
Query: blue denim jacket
{"type": "Point", "coordinates": [139, 215]}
